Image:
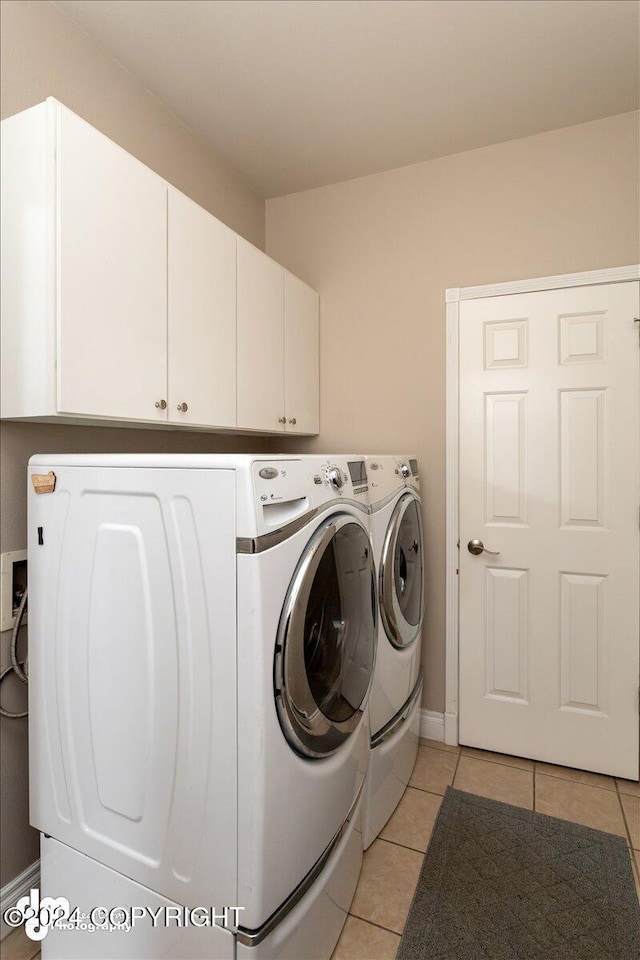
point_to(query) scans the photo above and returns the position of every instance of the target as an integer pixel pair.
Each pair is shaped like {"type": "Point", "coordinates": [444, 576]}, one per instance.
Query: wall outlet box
{"type": "Point", "coordinates": [13, 582]}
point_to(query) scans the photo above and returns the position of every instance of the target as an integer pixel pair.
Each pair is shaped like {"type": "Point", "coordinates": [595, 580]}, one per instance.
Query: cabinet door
{"type": "Point", "coordinates": [202, 316]}
{"type": "Point", "coordinates": [112, 278]}
{"type": "Point", "coordinates": [260, 340]}
{"type": "Point", "coordinates": [301, 356]}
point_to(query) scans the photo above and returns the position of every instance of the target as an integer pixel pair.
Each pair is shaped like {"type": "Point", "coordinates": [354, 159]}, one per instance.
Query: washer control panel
{"type": "Point", "coordinates": [340, 477]}
{"type": "Point", "coordinates": [279, 481]}
{"type": "Point", "coordinates": [335, 477]}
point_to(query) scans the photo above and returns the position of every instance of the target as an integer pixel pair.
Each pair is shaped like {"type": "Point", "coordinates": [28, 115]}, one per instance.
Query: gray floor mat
{"type": "Point", "coordinates": [502, 883]}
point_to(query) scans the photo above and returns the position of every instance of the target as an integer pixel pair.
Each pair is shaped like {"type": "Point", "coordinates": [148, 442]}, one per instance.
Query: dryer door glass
{"type": "Point", "coordinates": [327, 638]}
{"type": "Point", "coordinates": [402, 573]}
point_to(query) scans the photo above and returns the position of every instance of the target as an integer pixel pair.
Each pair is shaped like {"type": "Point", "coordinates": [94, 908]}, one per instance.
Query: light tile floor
{"type": "Point", "coordinates": [393, 861]}
{"type": "Point", "coordinates": [18, 946]}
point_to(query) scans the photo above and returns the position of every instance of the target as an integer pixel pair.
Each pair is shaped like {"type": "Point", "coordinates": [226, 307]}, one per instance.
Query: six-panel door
{"type": "Point", "coordinates": [112, 278]}
{"type": "Point", "coordinates": [549, 478]}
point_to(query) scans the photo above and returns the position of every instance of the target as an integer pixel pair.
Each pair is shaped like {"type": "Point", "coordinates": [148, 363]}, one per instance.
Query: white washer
{"type": "Point", "coordinates": [394, 706]}
{"type": "Point", "coordinates": [202, 639]}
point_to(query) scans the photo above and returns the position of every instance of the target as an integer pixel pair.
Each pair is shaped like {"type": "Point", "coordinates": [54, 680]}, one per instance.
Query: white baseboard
{"type": "Point", "coordinates": [432, 725]}
{"type": "Point", "coordinates": [451, 729]}
{"type": "Point", "coordinates": [16, 888]}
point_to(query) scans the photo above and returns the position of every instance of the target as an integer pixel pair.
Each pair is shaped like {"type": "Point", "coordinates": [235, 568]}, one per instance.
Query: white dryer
{"type": "Point", "coordinates": [202, 641]}
{"type": "Point", "coordinates": [394, 706]}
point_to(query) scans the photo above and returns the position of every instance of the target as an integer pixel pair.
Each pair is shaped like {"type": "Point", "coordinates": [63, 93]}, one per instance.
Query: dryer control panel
{"type": "Point", "coordinates": [388, 473]}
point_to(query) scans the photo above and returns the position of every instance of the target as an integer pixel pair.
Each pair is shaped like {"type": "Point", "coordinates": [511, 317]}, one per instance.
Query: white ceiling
{"type": "Point", "coordinates": [300, 93]}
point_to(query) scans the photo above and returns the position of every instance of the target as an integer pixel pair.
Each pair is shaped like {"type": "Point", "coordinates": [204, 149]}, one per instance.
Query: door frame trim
{"type": "Point", "coordinates": [453, 296]}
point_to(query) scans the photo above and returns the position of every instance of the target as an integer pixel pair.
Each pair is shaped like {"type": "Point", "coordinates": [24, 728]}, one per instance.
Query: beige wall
{"type": "Point", "coordinates": [382, 249]}
{"type": "Point", "coordinates": [44, 54]}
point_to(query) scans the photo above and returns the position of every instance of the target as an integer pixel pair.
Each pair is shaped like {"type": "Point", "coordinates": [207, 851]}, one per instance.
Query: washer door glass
{"type": "Point", "coordinates": [325, 650]}
{"type": "Point", "coordinates": [402, 573]}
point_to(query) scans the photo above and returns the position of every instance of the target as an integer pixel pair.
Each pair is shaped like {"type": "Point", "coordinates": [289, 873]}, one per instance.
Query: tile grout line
{"type": "Point", "coordinates": [379, 925]}
{"type": "Point", "coordinates": [545, 773]}
{"type": "Point", "coordinates": [534, 787]}
{"type": "Point", "coordinates": [455, 772]}
{"type": "Point", "coordinates": [404, 846]}
{"type": "Point", "coordinates": [581, 783]}
{"type": "Point", "coordinates": [422, 790]}
{"type": "Point", "coordinates": [500, 763]}
{"type": "Point", "coordinates": [624, 819]}
{"type": "Point", "coordinates": [374, 924]}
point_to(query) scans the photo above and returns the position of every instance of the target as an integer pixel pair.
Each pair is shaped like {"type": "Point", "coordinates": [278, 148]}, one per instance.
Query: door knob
{"type": "Point", "coordinates": [161, 404]}
{"type": "Point", "coordinates": [182, 407]}
{"type": "Point", "coordinates": [282, 419]}
{"type": "Point", "coordinates": [476, 547]}
{"type": "Point", "coordinates": [293, 421]}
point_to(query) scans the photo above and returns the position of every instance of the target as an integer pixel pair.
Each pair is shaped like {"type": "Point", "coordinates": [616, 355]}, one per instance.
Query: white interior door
{"type": "Point", "coordinates": [112, 279]}
{"type": "Point", "coordinates": [549, 479]}
{"type": "Point", "coordinates": [202, 316]}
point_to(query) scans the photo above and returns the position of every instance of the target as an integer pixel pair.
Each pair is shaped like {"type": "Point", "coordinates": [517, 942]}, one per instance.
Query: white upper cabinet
{"type": "Point", "coordinates": [278, 348]}
{"type": "Point", "coordinates": [112, 278]}
{"type": "Point", "coordinates": [202, 316]}
{"type": "Point", "coordinates": [260, 340]}
{"type": "Point", "coordinates": [123, 301]}
{"type": "Point", "coordinates": [301, 352]}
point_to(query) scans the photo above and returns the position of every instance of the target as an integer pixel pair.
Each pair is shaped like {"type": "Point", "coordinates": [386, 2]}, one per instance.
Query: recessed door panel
{"type": "Point", "coordinates": [582, 457]}
{"type": "Point", "coordinates": [506, 631]}
{"type": "Point", "coordinates": [582, 642]}
{"type": "Point", "coordinates": [505, 344]}
{"type": "Point", "coordinates": [506, 458]}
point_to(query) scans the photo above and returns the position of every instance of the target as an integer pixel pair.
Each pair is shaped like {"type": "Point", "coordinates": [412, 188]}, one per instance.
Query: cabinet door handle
{"type": "Point", "coordinates": [293, 421]}
{"type": "Point", "coordinates": [161, 404]}
{"type": "Point", "coordinates": [282, 419]}
{"type": "Point", "coordinates": [182, 407]}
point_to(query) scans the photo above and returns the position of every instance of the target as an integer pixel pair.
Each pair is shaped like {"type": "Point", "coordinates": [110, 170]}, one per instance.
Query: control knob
{"type": "Point", "coordinates": [404, 470]}
{"type": "Point", "coordinates": [334, 477]}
